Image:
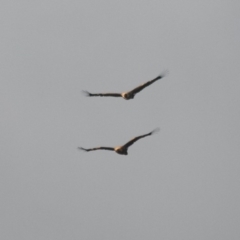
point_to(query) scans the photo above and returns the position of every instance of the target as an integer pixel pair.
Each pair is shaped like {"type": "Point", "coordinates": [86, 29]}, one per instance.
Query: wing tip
{"type": "Point", "coordinates": [86, 93]}
{"type": "Point", "coordinates": [82, 149]}
{"type": "Point", "coordinates": [164, 73]}
{"type": "Point", "coordinates": [156, 130]}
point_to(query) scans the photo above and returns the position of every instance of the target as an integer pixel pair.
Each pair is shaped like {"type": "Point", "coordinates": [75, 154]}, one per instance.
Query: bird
{"type": "Point", "coordinates": [126, 95]}
{"type": "Point", "coordinates": [123, 150]}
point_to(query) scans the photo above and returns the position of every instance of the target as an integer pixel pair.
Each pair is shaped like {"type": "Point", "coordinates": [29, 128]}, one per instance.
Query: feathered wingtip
{"type": "Point", "coordinates": [164, 73]}
{"type": "Point", "coordinates": [156, 130]}
{"type": "Point", "coordinates": [86, 93]}
{"type": "Point", "coordinates": [82, 149]}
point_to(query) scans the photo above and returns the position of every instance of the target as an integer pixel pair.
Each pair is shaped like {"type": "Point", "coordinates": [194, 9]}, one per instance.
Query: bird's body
{"type": "Point", "coordinates": [123, 150]}
{"type": "Point", "coordinates": [126, 95]}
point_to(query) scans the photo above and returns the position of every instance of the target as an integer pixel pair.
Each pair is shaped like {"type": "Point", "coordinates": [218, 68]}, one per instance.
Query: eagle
{"type": "Point", "coordinates": [123, 150]}
{"type": "Point", "coordinates": [127, 95]}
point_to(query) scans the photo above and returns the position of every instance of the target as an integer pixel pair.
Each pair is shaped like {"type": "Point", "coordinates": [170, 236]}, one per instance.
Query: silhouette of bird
{"type": "Point", "coordinates": [123, 150]}
{"type": "Point", "coordinates": [127, 95]}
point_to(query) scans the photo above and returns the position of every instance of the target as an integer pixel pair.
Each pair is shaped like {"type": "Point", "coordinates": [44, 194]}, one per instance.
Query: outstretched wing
{"type": "Point", "coordinates": [141, 87]}
{"type": "Point", "coordinates": [131, 142]}
{"type": "Point", "coordinates": [88, 94]}
{"type": "Point", "coordinates": [97, 148]}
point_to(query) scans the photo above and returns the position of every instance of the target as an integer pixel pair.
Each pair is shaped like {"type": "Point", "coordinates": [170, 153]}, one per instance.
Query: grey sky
{"type": "Point", "coordinates": [182, 183]}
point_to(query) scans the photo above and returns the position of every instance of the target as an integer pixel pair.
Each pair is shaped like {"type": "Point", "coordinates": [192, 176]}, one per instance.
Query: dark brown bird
{"type": "Point", "coordinates": [123, 150]}
{"type": "Point", "coordinates": [127, 95]}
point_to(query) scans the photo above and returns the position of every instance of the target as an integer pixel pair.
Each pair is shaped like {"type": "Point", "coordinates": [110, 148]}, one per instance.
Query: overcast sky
{"type": "Point", "coordinates": [182, 183]}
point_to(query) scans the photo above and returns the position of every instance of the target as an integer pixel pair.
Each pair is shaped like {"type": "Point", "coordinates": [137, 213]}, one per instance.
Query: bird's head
{"type": "Point", "coordinates": [121, 150]}
{"type": "Point", "coordinates": [128, 95]}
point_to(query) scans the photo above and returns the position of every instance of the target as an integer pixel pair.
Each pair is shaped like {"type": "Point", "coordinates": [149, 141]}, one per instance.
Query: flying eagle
{"type": "Point", "coordinates": [127, 95]}
{"type": "Point", "coordinates": [123, 150]}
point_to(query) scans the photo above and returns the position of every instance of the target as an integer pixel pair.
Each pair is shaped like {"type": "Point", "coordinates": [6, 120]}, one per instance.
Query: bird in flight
{"type": "Point", "coordinates": [127, 95]}
{"type": "Point", "coordinates": [123, 150]}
